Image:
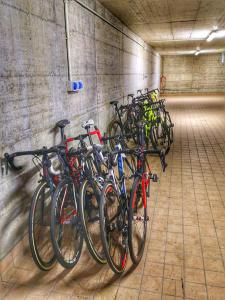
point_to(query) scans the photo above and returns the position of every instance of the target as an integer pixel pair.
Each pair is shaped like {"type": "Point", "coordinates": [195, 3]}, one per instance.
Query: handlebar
{"type": "Point", "coordinates": [9, 158]}
{"type": "Point", "coordinates": [119, 136]}
{"type": "Point", "coordinates": [83, 136]}
{"type": "Point", "coordinates": [139, 151]}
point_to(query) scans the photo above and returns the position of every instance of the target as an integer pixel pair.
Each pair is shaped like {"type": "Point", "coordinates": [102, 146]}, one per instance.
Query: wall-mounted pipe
{"type": "Point", "coordinates": [223, 57]}
{"type": "Point", "coordinates": [67, 33]}
{"type": "Point", "coordinates": [108, 22]}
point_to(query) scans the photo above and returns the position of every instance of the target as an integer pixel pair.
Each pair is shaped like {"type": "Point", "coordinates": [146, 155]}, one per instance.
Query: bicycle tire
{"type": "Point", "coordinates": [153, 136]}
{"type": "Point", "coordinates": [114, 128]}
{"type": "Point", "coordinates": [136, 247]}
{"type": "Point", "coordinates": [66, 216]}
{"type": "Point", "coordinates": [89, 209]}
{"type": "Point", "coordinates": [110, 233]}
{"type": "Point", "coordinates": [131, 128]}
{"type": "Point", "coordinates": [166, 131]}
{"type": "Point", "coordinates": [170, 126]}
{"type": "Point", "coordinates": [159, 136]}
{"type": "Point", "coordinates": [38, 255]}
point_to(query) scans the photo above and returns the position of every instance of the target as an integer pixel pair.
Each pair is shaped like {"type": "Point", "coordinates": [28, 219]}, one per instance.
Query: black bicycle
{"type": "Point", "coordinates": [39, 215]}
{"type": "Point", "coordinates": [50, 164]}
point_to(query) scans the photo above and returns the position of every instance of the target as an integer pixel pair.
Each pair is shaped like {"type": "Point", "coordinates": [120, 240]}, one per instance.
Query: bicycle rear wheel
{"type": "Point", "coordinates": [160, 136]}
{"type": "Point", "coordinates": [154, 136]}
{"type": "Point", "coordinates": [66, 233]}
{"type": "Point", "coordinates": [170, 126]}
{"type": "Point", "coordinates": [137, 222]}
{"type": "Point", "coordinates": [114, 128]}
{"type": "Point", "coordinates": [130, 127]}
{"type": "Point", "coordinates": [39, 227]}
{"type": "Point", "coordinates": [113, 228]}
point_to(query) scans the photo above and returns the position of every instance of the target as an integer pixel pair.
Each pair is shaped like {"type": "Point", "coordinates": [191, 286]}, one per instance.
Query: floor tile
{"type": "Point", "coordinates": [215, 293]}
{"type": "Point", "coordinates": [152, 284]}
{"type": "Point", "coordinates": [215, 278]}
{"type": "Point", "coordinates": [195, 291]}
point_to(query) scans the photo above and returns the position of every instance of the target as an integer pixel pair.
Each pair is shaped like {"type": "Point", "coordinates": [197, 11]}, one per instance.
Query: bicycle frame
{"type": "Point", "coordinates": [120, 167]}
{"type": "Point", "coordinates": [145, 175]}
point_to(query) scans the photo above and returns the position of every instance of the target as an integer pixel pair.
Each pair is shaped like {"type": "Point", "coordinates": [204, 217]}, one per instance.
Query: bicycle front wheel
{"type": "Point", "coordinates": [137, 221]}
{"type": "Point", "coordinates": [89, 211]}
{"type": "Point", "coordinates": [39, 227]}
{"type": "Point", "coordinates": [66, 233]}
{"type": "Point", "coordinates": [113, 228]}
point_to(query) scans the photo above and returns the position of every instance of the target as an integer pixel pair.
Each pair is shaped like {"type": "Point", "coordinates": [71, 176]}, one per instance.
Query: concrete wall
{"type": "Point", "coordinates": [201, 74]}
{"type": "Point", "coordinates": [33, 77]}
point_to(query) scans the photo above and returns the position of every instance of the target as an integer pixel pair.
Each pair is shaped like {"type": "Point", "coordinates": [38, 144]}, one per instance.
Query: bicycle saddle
{"type": "Point", "coordinates": [113, 102]}
{"type": "Point", "coordinates": [62, 123]}
{"type": "Point", "coordinates": [87, 124]}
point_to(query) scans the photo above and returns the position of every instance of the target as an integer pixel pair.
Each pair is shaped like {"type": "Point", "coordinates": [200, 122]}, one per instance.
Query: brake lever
{"type": "Point", "coordinates": [10, 163]}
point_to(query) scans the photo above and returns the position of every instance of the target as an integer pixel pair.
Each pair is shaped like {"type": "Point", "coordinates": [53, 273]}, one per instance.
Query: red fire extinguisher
{"type": "Point", "coordinates": [162, 83]}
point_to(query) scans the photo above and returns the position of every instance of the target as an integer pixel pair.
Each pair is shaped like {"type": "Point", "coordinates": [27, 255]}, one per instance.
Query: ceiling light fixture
{"type": "Point", "coordinates": [223, 58]}
{"type": "Point", "coordinates": [216, 34]}
{"type": "Point", "coordinates": [197, 51]}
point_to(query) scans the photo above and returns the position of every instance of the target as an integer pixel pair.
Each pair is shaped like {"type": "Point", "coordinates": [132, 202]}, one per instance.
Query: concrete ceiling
{"type": "Point", "coordinates": [172, 26]}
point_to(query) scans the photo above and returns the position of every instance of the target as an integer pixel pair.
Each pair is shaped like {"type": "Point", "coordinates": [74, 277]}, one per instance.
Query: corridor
{"type": "Point", "coordinates": [185, 253]}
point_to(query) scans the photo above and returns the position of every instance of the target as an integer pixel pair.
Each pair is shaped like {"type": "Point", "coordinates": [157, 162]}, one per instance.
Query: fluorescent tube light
{"type": "Point", "coordinates": [218, 34]}
{"type": "Point", "coordinates": [211, 36]}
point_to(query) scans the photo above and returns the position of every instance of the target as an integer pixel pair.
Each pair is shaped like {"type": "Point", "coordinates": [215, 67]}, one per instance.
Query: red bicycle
{"type": "Point", "coordinates": [137, 212]}
{"type": "Point", "coordinates": [50, 170]}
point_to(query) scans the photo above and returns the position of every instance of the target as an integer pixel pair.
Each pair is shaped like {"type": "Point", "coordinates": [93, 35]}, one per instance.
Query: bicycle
{"type": "Point", "coordinates": [115, 207]}
{"type": "Point", "coordinates": [39, 229]}
{"type": "Point", "coordinates": [124, 123]}
{"type": "Point", "coordinates": [71, 199]}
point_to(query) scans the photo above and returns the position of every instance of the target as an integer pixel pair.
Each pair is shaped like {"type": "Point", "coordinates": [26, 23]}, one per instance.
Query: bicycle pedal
{"type": "Point", "coordinates": [154, 177]}
{"type": "Point", "coordinates": [147, 219]}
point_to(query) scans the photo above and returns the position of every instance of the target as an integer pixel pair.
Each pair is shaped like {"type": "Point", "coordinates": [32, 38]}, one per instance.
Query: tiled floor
{"type": "Point", "coordinates": [185, 251]}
